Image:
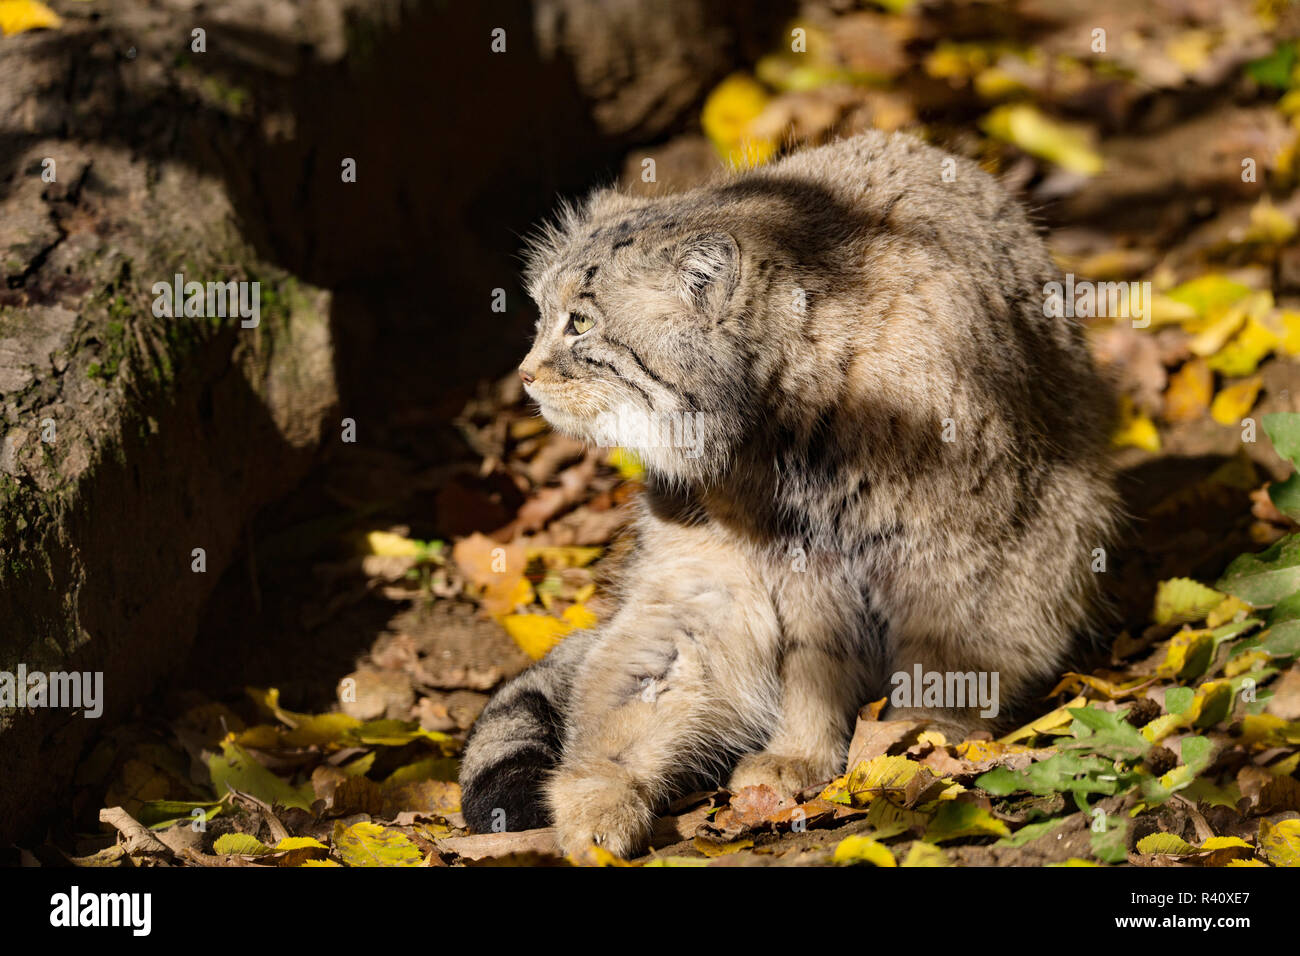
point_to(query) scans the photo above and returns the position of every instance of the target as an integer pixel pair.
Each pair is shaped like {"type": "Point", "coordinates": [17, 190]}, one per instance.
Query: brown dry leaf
{"type": "Point", "coordinates": [482, 846]}
{"type": "Point", "coordinates": [142, 846]}
{"type": "Point", "coordinates": [356, 795]}
{"type": "Point", "coordinates": [493, 569]}
{"type": "Point", "coordinates": [1285, 702]}
{"type": "Point", "coordinates": [1190, 391]}
{"type": "Point", "coordinates": [424, 796]}
{"type": "Point", "coordinates": [872, 737]}
{"type": "Point", "coordinates": [750, 807]}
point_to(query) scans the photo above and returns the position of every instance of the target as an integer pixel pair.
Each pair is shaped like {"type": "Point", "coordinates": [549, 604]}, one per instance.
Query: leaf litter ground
{"type": "Point", "coordinates": [462, 552]}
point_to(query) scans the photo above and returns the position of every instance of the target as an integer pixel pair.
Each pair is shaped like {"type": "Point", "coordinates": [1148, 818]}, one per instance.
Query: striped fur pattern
{"type": "Point", "coordinates": [899, 460]}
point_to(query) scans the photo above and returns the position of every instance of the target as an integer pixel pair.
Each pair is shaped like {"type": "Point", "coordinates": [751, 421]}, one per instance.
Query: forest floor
{"type": "Point", "coordinates": [375, 603]}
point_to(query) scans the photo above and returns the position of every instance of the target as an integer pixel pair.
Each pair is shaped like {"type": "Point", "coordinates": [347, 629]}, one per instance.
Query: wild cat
{"type": "Point", "coordinates": [898, 461]}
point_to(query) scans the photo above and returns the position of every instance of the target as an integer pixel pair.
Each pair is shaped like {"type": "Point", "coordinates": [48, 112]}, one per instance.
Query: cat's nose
{"type": "Point", "coordinates": [523, 374]}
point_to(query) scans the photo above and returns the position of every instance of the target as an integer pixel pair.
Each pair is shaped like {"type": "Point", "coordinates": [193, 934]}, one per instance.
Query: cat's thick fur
{"type": "Point", "coordinates": [903, 462]}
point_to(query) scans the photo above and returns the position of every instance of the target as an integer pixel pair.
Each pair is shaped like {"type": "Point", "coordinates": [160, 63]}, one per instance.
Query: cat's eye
{"type": "Point", "coordinates": [578, 323]}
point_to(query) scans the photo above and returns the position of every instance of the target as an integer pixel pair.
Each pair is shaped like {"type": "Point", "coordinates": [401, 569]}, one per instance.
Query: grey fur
{"type": "Point", "coordinates": [829, 317]}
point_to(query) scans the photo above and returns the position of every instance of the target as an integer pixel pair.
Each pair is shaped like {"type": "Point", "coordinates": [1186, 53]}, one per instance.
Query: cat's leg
{"type": "Point", "coordinates": [678, 684]}
{"type": "Point", "coordinates": [962, 684]}
{"type": "Point", "coordinates": [821, 693]}
{"type": "Point", "coordinates": [831, 653]}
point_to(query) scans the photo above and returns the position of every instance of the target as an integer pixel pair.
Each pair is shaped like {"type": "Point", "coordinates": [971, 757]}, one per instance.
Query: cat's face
{"type": "Point", "coordinates": [632, 347]}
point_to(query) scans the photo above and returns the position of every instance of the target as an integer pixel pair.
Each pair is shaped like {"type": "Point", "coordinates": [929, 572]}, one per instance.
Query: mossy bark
{"type": "Point", "coordinates": [128, 441]}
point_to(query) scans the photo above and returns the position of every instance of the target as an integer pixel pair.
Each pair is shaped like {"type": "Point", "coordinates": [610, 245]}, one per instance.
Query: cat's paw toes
{"type": "Point", "coordinates": [599, 804]}
{"type": "Point", "coordinates": [785, 775]}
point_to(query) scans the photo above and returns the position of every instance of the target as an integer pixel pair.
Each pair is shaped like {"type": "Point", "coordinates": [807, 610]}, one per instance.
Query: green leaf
{"type": "Point", "coordinates": [1275, 69]}
{"type": "Point", "coordinates": [1182, 600]}
{"type": "Point", "coordinates": [1109, 845]}
{"type": "Point", "coordinates": [240, 844]}
{"type": "Point", "coordinates": [1030, 832]}
{"type": "Point", "coordinates": [160, 814]}
{"type": "Point", "coordinates": [1287, 609]}
{"type": "Point", "coordinates": [1286, 496]}
{"type": "Point", "coordinates": [235, 769]}
{"type": "Point", "coordinates": [368, 844]}
{"type": "Point", "coordinates": [959, 819]}
{"type": "Point", "coordinates": [1266, 578]}
{"type": "Point", "coordinates": [1178, 699]}
{"type": "Point", "coordinates": [393, 733]}
{"type": "Point", "coordinates": [1283, 430]}
{"type": "Point", "coordinates": [1107, 733]}
{"type": "Point", "coordinates": [1063, 773]}
{"type": "Point", "coordinates": [1282, 640]}
{"type": "Point", "coordinates": [1197, 752]}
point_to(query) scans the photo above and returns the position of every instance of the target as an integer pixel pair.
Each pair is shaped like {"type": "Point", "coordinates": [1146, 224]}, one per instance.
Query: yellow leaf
{"type": "Point", "coordinates": [1242, 355]}
{"type": "Point", "coordinates": [628, 464]}
{"type": "Point", "coordinates": [535, 634]}
{"type": "Point", "coordinates": [240, 844]}
{"type": "Point", "coordinates": [558, 558]}
{"type": "Point", "coordinates": [1233, 403]}
{"type": "Point", "coordinates": [1189, 392]}
{"type": "Point", "coordinates": [955, 820]}
{"type": "Point", "coordinates": [1268, 730]}
{"type": "Point", "coordinates": [932, 737]}
{"type": "Point", "coordinates": [320, 863]}
{"type": "Point", "coordinates": [368, 844]}
{"type": "Point", "coordinates": [1223, 843]}
{"type": "Point", "coordinates": [1269, 225]}
{"type": "Point", "coordinates": [1071, 680]}
{"type": "Point", "coordinates": [878, 775]}
{"type": "Point", "coordinates": [1243, 663]}
{"type": "Point", "coordinates": [1164, 725]}
{"type": "Point", "coordinates": [1290, 322]}
{"type": "Point", "coordinates": [596, 856]}
{"type": "Point", "coordinates": [711, 849]}
{"type": "Point", "coordinates": [1182, 600]}
{"type": "Point", "coordinates": [300, 843]}
{"type": "Point", "coordinates": [1026, 127]}
{"type": "Point", "coordinates": [863, 849]}
{"type": "Point", "coordinates": [1165, 844]}
{"type": "Point", "coordinates": [1208, 297]}
{"type": "Point", "coordinates": [677, 861]}
{"type": "Point", "coordinates": [579, 617]}
{"type": "Point", "coordinates": [16, 16]}
{"type": "Point", "coordinates": [1057, 720]}
{"type": "Point", "coordinates": [728, 116]}
{"type": "Point", "coordinates": [1135, 428]}
{"type": "Point", "coordinates": [925, 854]}
{"type": "Point", "coordinates": [1214, 334]}
{"type": "Point", "coordinates": [389, 545]}
{"type": "Point", "coordinates": [1230, 608]}
{"type": "Point", "coordinates": [1188, 654]}
{"type": "Point", "coordinates": [298, 850]}
{"type": "Point", "coordinates": [1280, 842]}
{"type": "Point", "coordinates": [1190, 49]}
{"type": "Point", "coordinates": [1168, 311]}
{"type": "Point", "coordinates": [978, 751]}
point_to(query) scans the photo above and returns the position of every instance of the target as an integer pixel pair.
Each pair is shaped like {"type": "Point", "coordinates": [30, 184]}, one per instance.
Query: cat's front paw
{"type": "Point", "coordinates": [599, 802]}
{"type": "Point", "coordinates": [786, 775]}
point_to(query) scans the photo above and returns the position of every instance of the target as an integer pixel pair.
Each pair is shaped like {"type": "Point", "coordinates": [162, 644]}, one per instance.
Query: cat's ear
{"type": "Point", "coordinates": [708, 268]}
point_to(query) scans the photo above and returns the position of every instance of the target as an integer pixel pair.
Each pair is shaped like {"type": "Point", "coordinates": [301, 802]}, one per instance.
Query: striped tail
{"type": "Point", "coordinates": [517, 740]}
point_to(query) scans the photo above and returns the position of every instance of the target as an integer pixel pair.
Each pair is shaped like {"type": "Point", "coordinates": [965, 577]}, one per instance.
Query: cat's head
{"type": "Point", "coordinates": [637, 340]}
